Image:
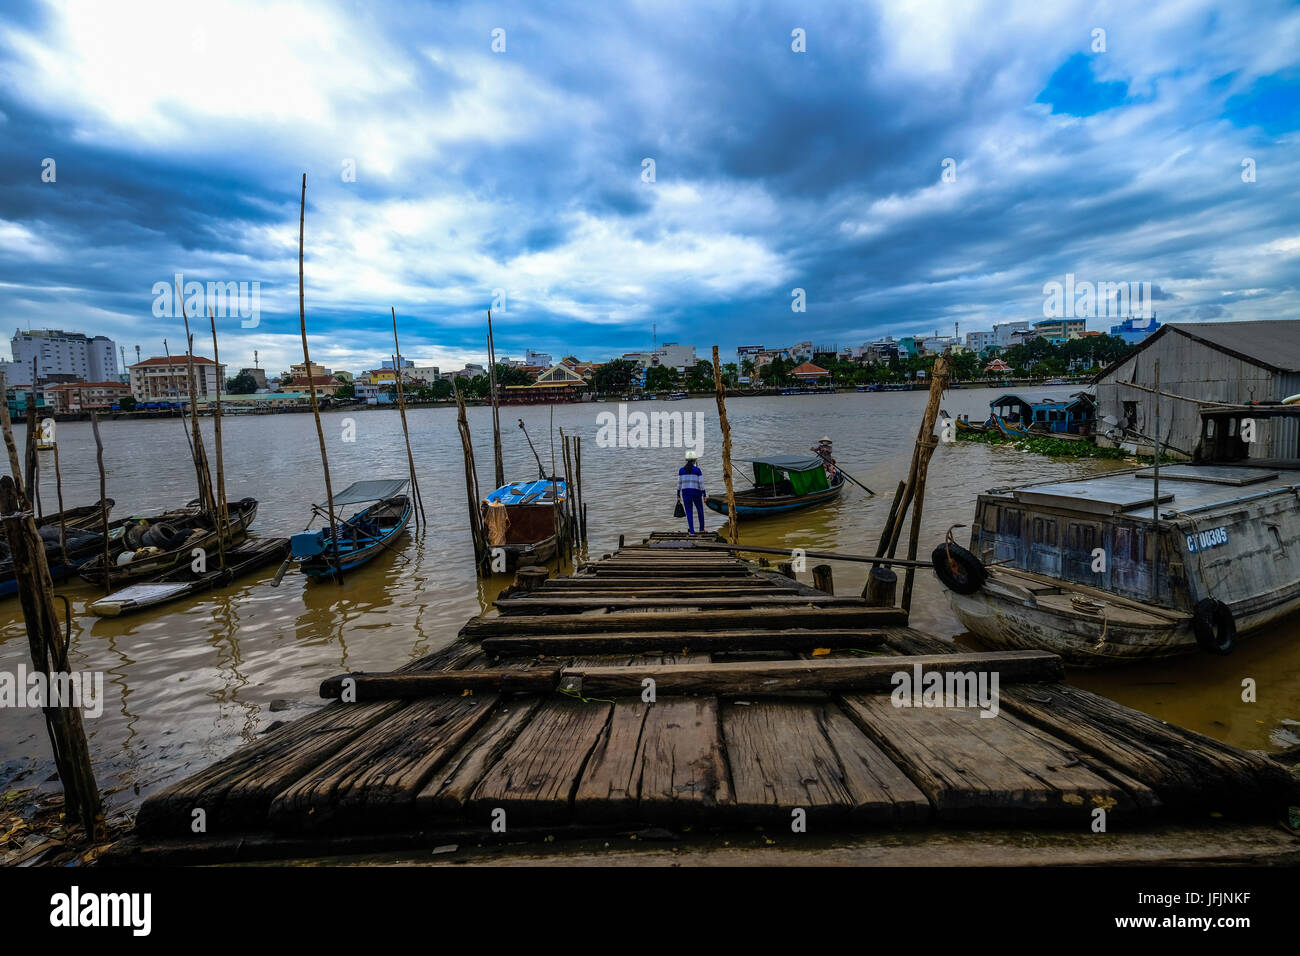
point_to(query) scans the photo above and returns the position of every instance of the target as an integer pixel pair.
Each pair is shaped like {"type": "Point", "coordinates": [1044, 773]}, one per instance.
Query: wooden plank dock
{"type": "Point", "coordinates": [667, 687]}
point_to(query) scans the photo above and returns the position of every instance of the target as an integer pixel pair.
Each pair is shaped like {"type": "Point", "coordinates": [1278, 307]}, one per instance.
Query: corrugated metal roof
{"type": "Point", "coordinates": [1273, 343]}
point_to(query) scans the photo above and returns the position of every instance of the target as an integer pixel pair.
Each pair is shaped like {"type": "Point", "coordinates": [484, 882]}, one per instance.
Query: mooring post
{"type": "Point", "coordinates": [822, 578]}
{"type": "Point", "coordinates": [882, 587]}
{"type": "Point", "coordinates": [720, 393]}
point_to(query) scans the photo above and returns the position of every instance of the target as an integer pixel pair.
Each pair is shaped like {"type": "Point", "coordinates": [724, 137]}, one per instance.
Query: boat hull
{"type": "Point", "coordinates": [322, 565]}
{"type": "Point", "coordinates": [242, 514]}
{"type": "Point", "coordinates": [754, 506]}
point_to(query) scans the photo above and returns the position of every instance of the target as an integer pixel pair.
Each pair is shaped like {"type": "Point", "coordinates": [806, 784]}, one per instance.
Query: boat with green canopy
{"type": "Point", "coordinates": [783, 483]}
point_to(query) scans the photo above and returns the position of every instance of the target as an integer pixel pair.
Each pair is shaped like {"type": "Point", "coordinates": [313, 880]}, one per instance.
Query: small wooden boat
{"type": "Point", "coordinates": [142, 548]}
{"type": "Point", "coordinates": [354, 541]}
{"type": "Point", "coordinates": [1084, 569]}
{"type": "Point", "coordinates": [81, 546]}
{"type": "Point", "coordinates": [521, 521]}
{"type": "Point", "coordinates": [782, 483]}
{"type": "Point", "coordinates": [1008, 429]}
{"type": "Point", "coordinates": [185, 581]}
{"type": "Point", "coordinates": [84, 518]}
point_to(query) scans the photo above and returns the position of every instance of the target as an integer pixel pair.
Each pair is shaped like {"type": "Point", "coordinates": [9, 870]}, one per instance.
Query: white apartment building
{"type": "Point", "coordinates": [1003, 332]}
{"type": "Point", "coordinates": [979, 341]}
{"type": "Point", "coordinates": [538, 358]}
{"type": "Point", "coordinates": [63, 353]}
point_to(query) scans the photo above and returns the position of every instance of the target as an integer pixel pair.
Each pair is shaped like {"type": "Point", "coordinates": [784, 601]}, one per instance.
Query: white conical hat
{"type": "Point", "coordinates": [692, 455]}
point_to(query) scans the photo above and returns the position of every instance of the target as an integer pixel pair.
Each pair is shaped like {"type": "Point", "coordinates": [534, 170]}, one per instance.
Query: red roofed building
{"type": "Point", "coordinates": [162, 379]}
{"type": "Point", "coordinates": [998, 367]}
{"type": "Point", "coordinates": [808, 372]}
{"type": "Point", "coordinates": [320, 384]}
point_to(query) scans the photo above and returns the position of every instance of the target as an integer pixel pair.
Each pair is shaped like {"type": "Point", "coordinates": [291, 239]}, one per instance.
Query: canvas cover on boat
{"type": "Point", "coordinates": [525, 493]}
{"type": "Point", "coordinates": [806, 474]}
{"type": "Point", "coordinates": [373, 490]}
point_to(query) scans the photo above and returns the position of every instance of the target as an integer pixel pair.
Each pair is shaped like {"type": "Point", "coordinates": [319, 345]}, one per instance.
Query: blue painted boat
{"type": "Point", "coordinates": [353, 541]}
{"type": "Point", "coordinates": [521, 522]}
{"type": "Point", "coordinates": [782, 483]}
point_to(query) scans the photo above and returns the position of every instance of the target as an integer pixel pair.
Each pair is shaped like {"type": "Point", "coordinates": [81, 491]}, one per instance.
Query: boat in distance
{"type": "Point", "coordinates": [354, 541]}
{"type": "Point", "coordinates": [1084, 567]}
{"type": "Point", "coordinates": [782, 483]}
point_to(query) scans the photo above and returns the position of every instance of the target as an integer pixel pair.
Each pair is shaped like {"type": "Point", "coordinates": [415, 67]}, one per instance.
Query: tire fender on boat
{"type": "Point", "coordinates": [1214, 626]}
{"type": "Point", "coordinates": [958, 569]}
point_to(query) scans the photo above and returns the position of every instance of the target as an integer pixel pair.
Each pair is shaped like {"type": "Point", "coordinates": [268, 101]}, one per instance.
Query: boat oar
{"type": "Point", "coordinates": [855, 481]}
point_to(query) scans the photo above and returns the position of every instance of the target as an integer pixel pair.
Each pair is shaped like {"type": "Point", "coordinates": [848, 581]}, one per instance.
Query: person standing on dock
{"type": "Point", "coordinates": [690, 488]}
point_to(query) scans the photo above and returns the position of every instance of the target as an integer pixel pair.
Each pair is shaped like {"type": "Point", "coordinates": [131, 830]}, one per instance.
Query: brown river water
{"type": "Point", "coordinates": [189, 682]}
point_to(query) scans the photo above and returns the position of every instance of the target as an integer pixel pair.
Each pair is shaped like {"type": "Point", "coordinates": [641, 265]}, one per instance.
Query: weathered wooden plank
{"type": "Point", "coordinates": [683, 772]}
{"type": "Point", "coordinates": [610, 782]}
{"type": "Point", "coordinates": [373, 781]}
{"type": "Point", "coordinates": [535, 778]}
{"type": "Point", "coordinates": [780, 761]}
{"type": "Point", "coordinates": [236, 791]}
{"type": "Point", "coordinates": [867, 674]}
{"type": "Point", "coordinates": [656, 596]}
{"type": "Point", "coordinates": [990, 769]}
{"type": "Point", "coordinates": [706, 642]}
{"type": "Point", "coordinates": [1186, 769]}
{"type": "Point", "coordinates": [398, 685]}
{"type": "Point", "coordinates": [447, 791]}
{"type": "Point", "coordinates": [880, 791]}
{"type": "Point", "coordinates": [776, 618]}
{"type": "Point", "coordinates": [543, 603]}
{"type": "Point", "coordinates": [588, 582]}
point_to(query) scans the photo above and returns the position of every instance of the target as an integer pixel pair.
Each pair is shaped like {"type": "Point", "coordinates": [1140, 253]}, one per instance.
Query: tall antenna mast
{"type": "Point", "coordinates": [254, 358]}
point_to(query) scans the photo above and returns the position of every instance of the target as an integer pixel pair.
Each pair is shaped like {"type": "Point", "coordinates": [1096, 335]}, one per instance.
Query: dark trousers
{"type": "Point", "coordinates": [693, 499]}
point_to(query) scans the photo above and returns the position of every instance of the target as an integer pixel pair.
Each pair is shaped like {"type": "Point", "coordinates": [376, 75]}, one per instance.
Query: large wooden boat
{"type": "Point", "coordinates": [354, 541]}
{"type": "Point", "coordinates": [524, 525]}
{"type": "Point", "coordinates": [84, 518]}
{"type": "Point", "coordinates": [1112, 567]}
{"type": "Point", "coordinates": [186, 582]}
{"type": "Point", "coordinates": [142, 548]}
{"type": "Point", "coordinates": [782, 483]}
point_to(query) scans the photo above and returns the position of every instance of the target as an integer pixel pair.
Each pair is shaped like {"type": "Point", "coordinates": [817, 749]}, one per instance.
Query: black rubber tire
{"type": "Point", "coordinates": [133, 537]}
{"type": "Point", "coordinates": [958, 569]}
{"type": "Point", "coordinates": [1214, 626]}
{"type": "Point", "coordinates": [161, 536]}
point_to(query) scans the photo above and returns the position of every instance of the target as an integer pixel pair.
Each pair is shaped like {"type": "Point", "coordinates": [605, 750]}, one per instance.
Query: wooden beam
{"type": "Point", "coordinates": [832, 675]}
{"type": "Point", "coordinates": [395, 686]}
{"type": "Point", "coordinates": [536, 602]}
{"type": "Point", "coordinates": [775, 618]}
{"type": "Point", "coordinates": [560, 645]}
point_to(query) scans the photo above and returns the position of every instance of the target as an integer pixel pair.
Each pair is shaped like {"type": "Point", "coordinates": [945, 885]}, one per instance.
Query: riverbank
{"type": "Point", "coordinates": [1052, 447]}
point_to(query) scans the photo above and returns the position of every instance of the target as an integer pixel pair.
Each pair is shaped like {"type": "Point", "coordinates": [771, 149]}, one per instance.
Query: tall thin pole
{"type": "Point", "coordinates": [222, 506]}
{"type": "Point", "coordinates": [311, 389]}
{"type": "Point", "coordinates": [401, 407]}
{"type": "Point", "coordinates": [720, 393]}
{"type": "Point", "coordinates": [926, 443]}
{"type": "Point", "coordinates": [103, 493]}
{"type": "Point", "coordinates": [58, 490]}
{"type": "Point", "coordinates": [33, 458]}
{"type": "Point", "coordinates": [1155, 497]}
{"type": "Point", "coordinates": [496, 411]}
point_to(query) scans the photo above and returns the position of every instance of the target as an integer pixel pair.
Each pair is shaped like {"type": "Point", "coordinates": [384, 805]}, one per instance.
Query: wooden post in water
{"type": "Point", "coordinates": [311, 388]}
{"type": "Point", "coordinates": [223, 508]}
{"type": "Point", "coordinates": [925, 446]}
{"type": "Point", "coordinates": [498, 461]}
{"type": "Point", "coordinates": [481, 556]}
{"type": "Point", "coordinates": [103, 492]}
{"type": "Point", "coordinates": [582, 500]}
{"type": "Point", "coordinates": [401, 407]}
{"type": "Point", "coordinates": [58, 491]}
{"type": "Point", "coordinates": [48, 645]}
{"type": "Point", "coordinates": [33, 482]}
{"type": "Point", "coordinates": [206, 497]}
{"type": "Point", "coordinates": [720, 393]}
{"type": "Point", "coordinates": [822, 579]}
{"type": "Point", "coordinates": [1155, 497]}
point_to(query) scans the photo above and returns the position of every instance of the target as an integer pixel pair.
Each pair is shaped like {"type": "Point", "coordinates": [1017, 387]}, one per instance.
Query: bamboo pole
{"type": "Point", "coordinates": [496, 410]}
{"type": "Point", "coordinates": [33, 482]}
{"type": "Point", "coordinates": [582, 499]}
{"type": "Point", "coordinates": [103, 493]}
{"type": "Point", "coordinates": [401, 407]}
{"type": "Point", "coordinates": [48, 644]}
{"type": "Point", "coordinates": [471, 482]}
{"type": "Point", "coordinates": [311, 388]}
{"type": "Point", "coordinates": [222, 506]}
{"type": "Point", "coordinates": [720, 393]}
{"type": "Point", "coordinates": [185, 426]}
{"type": "Point", "coordinates": [207, 498]}
{"type": "Point", "coordinates": [58, 490]}
{"type": "Point", "coordinates": [926, 444]}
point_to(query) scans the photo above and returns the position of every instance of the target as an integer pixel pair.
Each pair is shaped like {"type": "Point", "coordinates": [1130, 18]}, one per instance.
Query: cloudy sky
{"type": "Point", "coordinates": [439, 169]}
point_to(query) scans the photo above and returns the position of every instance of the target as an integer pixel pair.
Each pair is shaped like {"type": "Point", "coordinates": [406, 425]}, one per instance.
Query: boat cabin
{"type": "Point", "coordinates": [789, 475]}
{"type": "Point", "coordinates": [1074, 415]}
{"type": "Point", "coordinates": [1167, 538]}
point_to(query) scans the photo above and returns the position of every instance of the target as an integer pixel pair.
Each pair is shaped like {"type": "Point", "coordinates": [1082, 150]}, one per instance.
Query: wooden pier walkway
{"type": "Point", "coordinates": [768, 698]}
